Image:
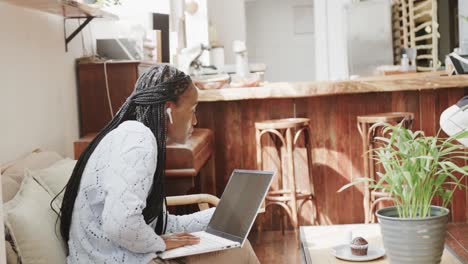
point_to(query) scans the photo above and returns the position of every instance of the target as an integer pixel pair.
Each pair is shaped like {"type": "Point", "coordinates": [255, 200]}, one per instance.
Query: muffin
{"type": "Point", "coordinates": [359, 246]}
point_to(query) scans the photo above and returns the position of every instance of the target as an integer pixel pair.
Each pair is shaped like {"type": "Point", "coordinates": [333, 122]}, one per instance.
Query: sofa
{"type": "Point", "coordinates": [29, 184]}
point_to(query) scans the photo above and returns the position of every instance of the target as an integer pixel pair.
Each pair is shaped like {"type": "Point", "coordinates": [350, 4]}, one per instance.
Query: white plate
{"type": "Point", "coordinates": [344, 252]}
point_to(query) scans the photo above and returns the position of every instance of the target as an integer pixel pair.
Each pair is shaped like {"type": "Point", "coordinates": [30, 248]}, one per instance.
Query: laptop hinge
{"type": "Point", "coordinates": [224, 235]}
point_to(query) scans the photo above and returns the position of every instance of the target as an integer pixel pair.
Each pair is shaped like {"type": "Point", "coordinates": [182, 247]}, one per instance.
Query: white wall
{"type": "Point", "coordinates": [330, 40]}
{"type": "Point", "coordinates": [38, 105]}
{"type": "Point", "coordinates": [228, 17]}
{"type": "Point", "coordinates": [271, 39]}
{"type": "Point", "coordinates": [38, 101]}
{"type": "Point", "coordinates": [2, 230]}
{"type": "Point", "coordinates": [463, 10]}
{"type": "Point", "coordinates": [197, 26]}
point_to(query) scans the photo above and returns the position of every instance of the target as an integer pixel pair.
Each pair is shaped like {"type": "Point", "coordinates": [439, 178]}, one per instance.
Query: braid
{"type": "Point", "coordinates": [157, 117]}
{"type": "Point", "coordinates": [153, 89]}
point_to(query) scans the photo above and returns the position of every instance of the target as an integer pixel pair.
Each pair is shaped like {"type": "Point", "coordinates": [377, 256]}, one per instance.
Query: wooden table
{"type": "Point", "coordinates": [317, 241]}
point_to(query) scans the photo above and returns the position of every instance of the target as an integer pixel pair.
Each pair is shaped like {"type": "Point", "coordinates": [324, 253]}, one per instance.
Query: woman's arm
{"type": "Point", "coordinates": [189, 223]}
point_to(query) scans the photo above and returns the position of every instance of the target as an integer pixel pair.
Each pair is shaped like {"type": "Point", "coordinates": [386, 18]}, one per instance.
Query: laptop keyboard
{"type": "Point", "coordinates": [208, 242]}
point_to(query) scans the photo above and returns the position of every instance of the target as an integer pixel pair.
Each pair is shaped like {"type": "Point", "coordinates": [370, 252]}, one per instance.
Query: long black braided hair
{"type": "Point", "coordinates": [147, 104]}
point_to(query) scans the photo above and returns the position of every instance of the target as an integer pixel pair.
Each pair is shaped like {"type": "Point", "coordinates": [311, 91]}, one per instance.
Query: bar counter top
{"type": "Point", "coordinates": [393, 83]}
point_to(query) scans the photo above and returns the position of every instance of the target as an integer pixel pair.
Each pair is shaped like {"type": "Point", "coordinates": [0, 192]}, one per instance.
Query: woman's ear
{"type": "Point", "coordinates": [170, 104]}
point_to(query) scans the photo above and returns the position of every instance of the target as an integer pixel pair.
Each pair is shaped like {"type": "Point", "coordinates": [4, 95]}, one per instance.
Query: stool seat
{"type": "Point", "coordinates": [385, 117]}
{"type": "Point", "coordinates": [282, 123]}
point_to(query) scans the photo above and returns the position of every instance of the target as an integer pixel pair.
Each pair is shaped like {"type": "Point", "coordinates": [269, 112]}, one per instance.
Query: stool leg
{"type": "Point", "coordinates": [291, 178]}
{"type": "Point", "coordinates": [260, 167]}
{"type": "Point", "coordinates": [371, 170]}
{"type": "Point", "coordinates": [261, 223]}
{"type": "Point", "coordinates": [282, 221]}
{"type": "Point", "coordinates": [258, 140]}
{"type": "Point", "coordinates": [308, 145]}
{"type": "Point", "coordinates": [259, 149]}
{"type": "Point", "coordinates": [363, 129]}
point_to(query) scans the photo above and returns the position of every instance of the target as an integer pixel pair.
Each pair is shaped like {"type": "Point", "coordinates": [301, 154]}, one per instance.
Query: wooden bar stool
{"type": "Point", "coordinates": [288, 194]}
{"type": "Point", "coordinates": [369, 126]}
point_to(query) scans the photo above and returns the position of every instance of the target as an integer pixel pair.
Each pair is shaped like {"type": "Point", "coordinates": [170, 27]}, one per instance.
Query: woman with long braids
{"type": "Point", "coordinates": [113, 208]}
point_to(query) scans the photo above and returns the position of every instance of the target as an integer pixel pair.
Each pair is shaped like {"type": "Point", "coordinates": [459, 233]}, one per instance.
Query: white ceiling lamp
{"type": "Point", "coordinates": [191, 7]}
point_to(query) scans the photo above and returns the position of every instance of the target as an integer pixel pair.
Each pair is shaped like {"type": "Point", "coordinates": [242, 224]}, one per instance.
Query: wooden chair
{"type": "Point", "coordinates": [203, 200]}
{"type": "Point", "coordinates": [369, 126]}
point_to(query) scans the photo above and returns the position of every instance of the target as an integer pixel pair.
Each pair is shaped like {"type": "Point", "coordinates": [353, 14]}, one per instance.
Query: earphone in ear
{"type": "Point", "coordinates": [169, 114]}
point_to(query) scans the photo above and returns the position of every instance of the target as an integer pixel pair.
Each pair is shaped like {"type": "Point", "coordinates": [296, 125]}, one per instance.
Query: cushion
{"type": "Point", "coordinates": [14, 171]}
{"type": "Point", "coordinates": [32, 225]}
{"type": "Point", "coordinates": [54, 178]}
{"type": "Point", "coordinates": [9, 188]}
{"type": "Point", "coordinates": [7, 165]}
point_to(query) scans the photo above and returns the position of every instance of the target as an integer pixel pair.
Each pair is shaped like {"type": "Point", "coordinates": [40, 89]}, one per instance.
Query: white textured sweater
{"type": "Point", "coordinates": [107, 223]}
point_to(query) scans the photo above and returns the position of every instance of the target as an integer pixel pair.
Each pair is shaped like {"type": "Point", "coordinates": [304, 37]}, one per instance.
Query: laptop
{"type": "Point", "coordinates": [233, 217]}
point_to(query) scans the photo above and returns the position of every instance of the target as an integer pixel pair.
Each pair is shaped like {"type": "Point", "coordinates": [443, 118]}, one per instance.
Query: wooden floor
{"type": "Point", "coordinates": [274, 247]}
{"type": "Point", "coordinates": [457, 240]}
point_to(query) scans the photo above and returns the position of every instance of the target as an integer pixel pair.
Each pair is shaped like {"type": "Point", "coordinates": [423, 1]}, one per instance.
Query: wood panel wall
{"type": "Point", "coordinates": [336, 147]}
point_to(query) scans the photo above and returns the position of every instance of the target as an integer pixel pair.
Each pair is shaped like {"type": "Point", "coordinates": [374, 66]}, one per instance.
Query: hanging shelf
{"type": "Point", "coordinates": [68, 9]}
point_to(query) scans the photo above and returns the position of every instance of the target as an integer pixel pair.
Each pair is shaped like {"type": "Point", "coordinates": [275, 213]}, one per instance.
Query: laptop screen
{"type": "Point", "coordinates": [240, 202]}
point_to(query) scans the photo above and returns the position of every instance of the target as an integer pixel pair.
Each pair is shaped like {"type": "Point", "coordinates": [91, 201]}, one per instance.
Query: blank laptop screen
{"type": "Point", "coordinates": [240, 202]}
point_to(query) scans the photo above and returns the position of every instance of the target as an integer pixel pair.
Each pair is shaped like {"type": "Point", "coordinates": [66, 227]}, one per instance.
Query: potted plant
{"type": "Point", "coordinates": [417, 168]}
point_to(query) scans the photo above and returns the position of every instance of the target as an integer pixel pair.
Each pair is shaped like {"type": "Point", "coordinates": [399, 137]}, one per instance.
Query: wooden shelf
{"type": "Point", "coordinates": [68, 9]}
{"type": "Point", "coordinates": [65, 8]}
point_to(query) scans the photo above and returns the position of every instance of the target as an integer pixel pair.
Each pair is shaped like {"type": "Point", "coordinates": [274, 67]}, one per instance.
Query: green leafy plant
{"type": "Point", "coordinates": [417, 168]}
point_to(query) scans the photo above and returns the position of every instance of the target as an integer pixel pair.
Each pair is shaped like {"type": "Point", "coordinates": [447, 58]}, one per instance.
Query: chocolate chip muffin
{"type": "Point", "coordinates": [359, 246]}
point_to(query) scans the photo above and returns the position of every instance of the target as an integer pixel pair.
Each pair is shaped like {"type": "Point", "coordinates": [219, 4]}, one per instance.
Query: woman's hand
{"type": "Point", "coordinates": [179, 240]}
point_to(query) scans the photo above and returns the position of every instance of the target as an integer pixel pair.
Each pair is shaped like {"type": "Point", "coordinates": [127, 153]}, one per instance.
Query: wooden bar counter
{"type": "Point", "coordinates": [336, 148]}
